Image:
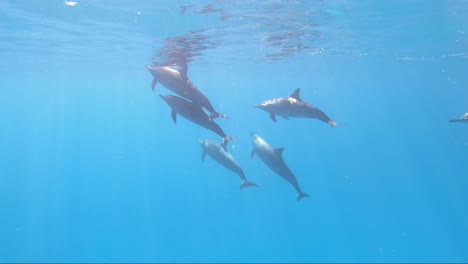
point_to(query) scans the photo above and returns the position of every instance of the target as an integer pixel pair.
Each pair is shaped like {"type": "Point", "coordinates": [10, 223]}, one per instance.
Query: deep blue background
{"type": "Point", "coordinates": [93, 169]}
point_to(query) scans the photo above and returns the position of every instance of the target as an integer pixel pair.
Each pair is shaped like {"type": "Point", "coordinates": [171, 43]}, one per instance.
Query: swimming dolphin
{"type": "Point", "coordinates": [220, 154]}
{"type": "Point", "coordinates": [293, 106]}
{"type": "Point", "coordinates": [178, 82]}
{"type": "Point", "coordinates": [463, 119]}
{"type": "Point", "coordinates": [273, 158]}
{"type": "Point", "coordinates": [194, 113]}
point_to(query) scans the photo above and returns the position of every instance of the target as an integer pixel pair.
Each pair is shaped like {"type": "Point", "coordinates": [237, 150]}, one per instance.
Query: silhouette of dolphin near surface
{"type": "Point", "coordinates": [194, 113]}
{"type": "Point", "coordinates": [462, 119]}
{"type": "Point", "coordinates": [178, 82]}
{"type": "Point", "coordinates": [293, 106]}
{"type": "Point", "coordinates": [273, 158]}
{"type": "Point", "coordinates": [223, 157]}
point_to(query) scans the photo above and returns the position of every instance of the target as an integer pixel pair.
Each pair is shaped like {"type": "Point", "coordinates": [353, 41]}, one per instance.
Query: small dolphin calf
{"type": "Point", "coordinates": [293, 106]}
{"type": "Point", "coordinates": [194, 113]}
{"type": "Point", "coordinates": [178, 82]}
{"type": "Point", "coordinates": [462, 119]}
{"type": "Point", "coordinates": [220, 154]}
{"type": "Point", "coordinates": [273, 158]}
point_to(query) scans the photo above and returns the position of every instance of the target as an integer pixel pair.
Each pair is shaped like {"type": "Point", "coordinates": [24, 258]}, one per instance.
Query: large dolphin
{"type": "Point", "coordinates": [178, 82]}
{"type": "Point", "coordinates": [273, 158]}
{"type": "Point", "coordinates": [220, 154]}
{"type": "Point", "coordinates": [194, 113]}
{"type": "Point", "coordinates": [463, 119]}
{"type": "Point", "coordinates": [293, 106]}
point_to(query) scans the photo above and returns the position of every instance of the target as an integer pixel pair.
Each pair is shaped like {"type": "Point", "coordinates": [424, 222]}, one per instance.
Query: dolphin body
{"type": "Point", "coordinates": [220, 154]}
{"type": "Point", "coordinates": [293, 106]}
{"type": "Point", "coordinates": [178, 82]}
{"type": "Point", "coordinates": [462, 119]}
{"type": "Point", "coordinates": [273, 158]}
{"type": "Point", "coordinates": [194, 113]}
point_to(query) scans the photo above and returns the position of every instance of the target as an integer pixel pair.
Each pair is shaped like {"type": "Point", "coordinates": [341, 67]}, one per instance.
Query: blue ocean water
{"type": "Point", "coordinates": [92, 168]}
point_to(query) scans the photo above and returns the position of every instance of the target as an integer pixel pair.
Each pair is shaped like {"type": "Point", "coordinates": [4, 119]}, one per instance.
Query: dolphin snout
{"type": "Point", "coordinates": [152, 68]}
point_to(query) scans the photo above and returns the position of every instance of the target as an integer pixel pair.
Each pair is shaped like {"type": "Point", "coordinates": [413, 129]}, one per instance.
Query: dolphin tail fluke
{"type": "Point", "coordinates": [301, 195]}
{"type": "Point", "coordinates": [332, 123]}
{"type": "Point", "coordinates": [226, 139]}
{"type": "Point", "coordinates": [217, 115]}
{"type": "Point", "coordinates": [246, 183]}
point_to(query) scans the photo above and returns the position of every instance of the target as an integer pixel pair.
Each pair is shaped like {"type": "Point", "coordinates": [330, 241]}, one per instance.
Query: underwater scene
{"type": "Point", "coordinates": [245, 131]}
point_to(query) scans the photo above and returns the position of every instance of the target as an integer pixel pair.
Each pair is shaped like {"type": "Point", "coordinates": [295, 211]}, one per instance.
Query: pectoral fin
{"type": "Point", "coordinates": [183, 71]}
{"type": "Point", "coordinates": [174, 116]}
{"type": "Point", "coordinates": [252, 154]}
{"type": "Point", "coordinates": [203, 155]}
{"type": "Point", "coordinates": [224, 145]}
{"type": "Point", "coordinates": [273, 116]}
{"type": "Point", "coordinates": [153, 83]}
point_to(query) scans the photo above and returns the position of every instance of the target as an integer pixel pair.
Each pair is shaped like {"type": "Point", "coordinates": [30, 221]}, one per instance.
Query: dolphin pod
{"type": "Point", "coordinates": [191, 105]}
{"type": "Point", "coordinates": [293, 106]}
{"type": "Point", "coordinates": [191, 108]}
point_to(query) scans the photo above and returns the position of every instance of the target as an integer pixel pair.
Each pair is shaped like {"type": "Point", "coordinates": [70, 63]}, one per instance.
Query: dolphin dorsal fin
{"type": "Point", "coordinates": [296, 95]}
{"type": "Point", "coordinates": [279, 151]}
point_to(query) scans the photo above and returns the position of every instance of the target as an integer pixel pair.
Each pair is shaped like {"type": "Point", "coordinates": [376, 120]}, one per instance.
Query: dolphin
{"type": "Point", "coordinates": [293, 106]}
{"type": "Point", "coordinates": [462, 119]}
{"type": "Point", "coordinates": [273, 158]}
{"type": "Point", "coordinates": [220, 154]}
{"type": "Point", "coordinates": [194, 113]}
{"type": "Point", "coordinates": [178, 82]}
